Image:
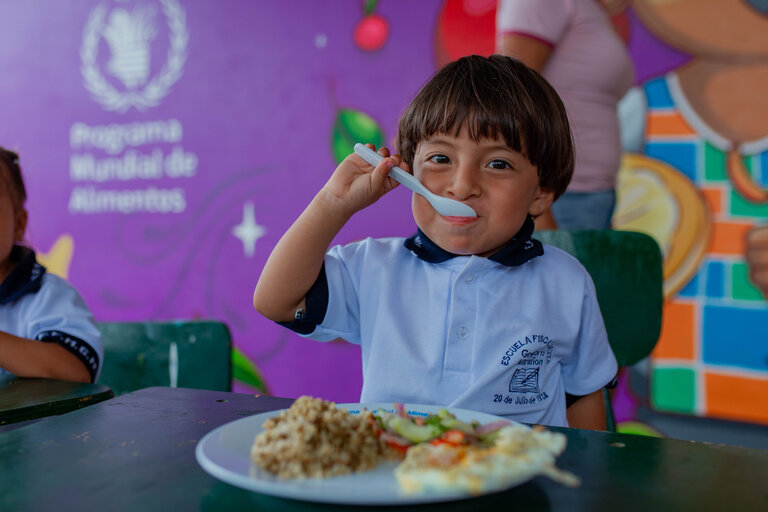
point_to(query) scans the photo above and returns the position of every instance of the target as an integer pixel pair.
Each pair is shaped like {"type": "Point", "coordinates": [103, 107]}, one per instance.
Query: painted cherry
{"type": "Point", "coordinates": [371, 32]}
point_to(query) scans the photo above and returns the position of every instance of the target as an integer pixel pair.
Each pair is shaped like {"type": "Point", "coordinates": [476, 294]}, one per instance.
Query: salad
{"type": "Point", "coordinates": [400, 431]}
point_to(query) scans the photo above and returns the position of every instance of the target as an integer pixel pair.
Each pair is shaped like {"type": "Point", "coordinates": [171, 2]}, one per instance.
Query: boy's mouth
{"type": "Point", "coordinates": [460, 221]}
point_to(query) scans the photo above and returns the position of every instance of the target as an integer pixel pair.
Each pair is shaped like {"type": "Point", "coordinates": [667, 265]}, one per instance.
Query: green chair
{"type": "Point", "coordinates": [185, 354]}
{"type": "Point", "coordinates": [626, 268]}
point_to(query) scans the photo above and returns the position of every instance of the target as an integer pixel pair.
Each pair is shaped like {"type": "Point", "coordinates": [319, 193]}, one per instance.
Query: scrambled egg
{"type": "Point", "coordinates": [518, 454]}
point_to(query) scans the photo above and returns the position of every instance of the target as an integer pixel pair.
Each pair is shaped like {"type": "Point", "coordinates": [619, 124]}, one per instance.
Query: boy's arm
{"type": "Point", "coordinates": [587, 412]}
{"type": "Point", "coordinates": [295, 262]}
{"type": "Point", "coordinates": [32, 358]}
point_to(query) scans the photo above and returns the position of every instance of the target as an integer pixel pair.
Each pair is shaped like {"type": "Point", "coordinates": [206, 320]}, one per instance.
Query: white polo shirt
{"type": "Point", "coordinates": [40, 306]}
{"type": "Point", "coordinates": [468, 332]}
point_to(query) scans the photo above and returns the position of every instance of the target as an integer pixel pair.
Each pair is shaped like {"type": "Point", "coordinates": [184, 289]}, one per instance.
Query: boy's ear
{"type": "Point", "coordinates": [20, 225]}
{"type": "Point", "coordinates": [542, 201]}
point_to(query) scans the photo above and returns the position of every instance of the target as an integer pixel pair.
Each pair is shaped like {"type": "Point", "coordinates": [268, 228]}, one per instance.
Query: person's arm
{"type": "Point", "coordinates": [587, 412]}
{"type": "Point", "coordinates": [296, 260]}
{"type": "Point", "coordinates": [757, 257]}
{"type": "Point", "coordinates": [534, 54]}
{"type": "Point", "coordinates": [32, 358]}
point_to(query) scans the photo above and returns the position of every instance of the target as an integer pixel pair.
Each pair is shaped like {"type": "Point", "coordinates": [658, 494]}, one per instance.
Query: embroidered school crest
{"type": "Point", "coordinates": [526, 358]}
{"type": "Point", "coordinates": [125, 80]}
{"type": "Point", "coordinates": [525, 380]}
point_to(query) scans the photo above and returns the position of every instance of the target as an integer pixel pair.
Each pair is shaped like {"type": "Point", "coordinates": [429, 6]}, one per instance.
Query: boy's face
{"type": "Point", "coordinates": [500, 184]}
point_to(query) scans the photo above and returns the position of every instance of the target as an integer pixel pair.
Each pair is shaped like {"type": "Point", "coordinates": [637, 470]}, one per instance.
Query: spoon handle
{"type": "Point", "coordinates": [396, 173]}
{"type": "Point", "coordinates": [443, 205]}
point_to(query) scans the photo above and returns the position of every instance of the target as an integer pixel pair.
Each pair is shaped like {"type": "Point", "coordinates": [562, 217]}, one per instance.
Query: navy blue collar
{"type": "Point", "coordinates": [26, 277]}
{"type": "Point", "coordinates": [517, 251]}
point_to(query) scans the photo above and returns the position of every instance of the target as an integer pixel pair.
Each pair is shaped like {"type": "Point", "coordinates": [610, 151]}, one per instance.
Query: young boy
{"type": "Point", "coordinates": [468, 312]}
{"type": "Point", "coordinates": [46, 330]}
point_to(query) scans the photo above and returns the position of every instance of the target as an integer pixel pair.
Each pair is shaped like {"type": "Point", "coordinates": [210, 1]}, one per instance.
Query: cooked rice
{"type": "Point", "coordinates": [314, 439]}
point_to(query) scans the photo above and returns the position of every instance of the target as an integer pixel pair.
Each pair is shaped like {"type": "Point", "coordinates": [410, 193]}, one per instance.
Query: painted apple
{"type": "Point", "coordinates": [465, 27]}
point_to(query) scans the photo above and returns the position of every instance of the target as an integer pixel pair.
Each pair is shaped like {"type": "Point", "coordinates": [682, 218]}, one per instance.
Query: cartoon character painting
{"type": "Point", "coordinates": [697, 183]}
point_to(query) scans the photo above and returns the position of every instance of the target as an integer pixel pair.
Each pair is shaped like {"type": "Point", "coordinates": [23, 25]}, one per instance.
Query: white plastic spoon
{"type": "Point", "coordinates": [443, 205]}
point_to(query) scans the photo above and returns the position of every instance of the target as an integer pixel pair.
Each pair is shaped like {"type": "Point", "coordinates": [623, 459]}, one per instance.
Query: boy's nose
{"type": "Point", "coordinates": [464, 183]}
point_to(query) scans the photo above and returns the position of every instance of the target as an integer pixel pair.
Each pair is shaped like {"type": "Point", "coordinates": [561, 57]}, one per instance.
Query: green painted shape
{"type": "Point", "coordinates": [637, 428]}
{"type": "Point", "coordinates": [714, 164]}
{"type": "Point", "coordinates": [742, 207]}
{"type": "Point", "coordinates": [244, 370]}
{"type": "Point", "coordinates": [741, 287]}
{"type": "Point", "coordinates": [673, 390]}
{"type": "Point", "coordinates": [351, 127]}
{"type": "Point", "coordinates": [626, 268]}
{"type": "Point", "coordinates": [370, 6]}
{"type": "Point", "coordinates": [138, 354]}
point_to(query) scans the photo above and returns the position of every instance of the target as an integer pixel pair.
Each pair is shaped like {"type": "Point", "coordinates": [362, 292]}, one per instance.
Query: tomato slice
{"type": "Point", "coordinates": [400, 448]}
{"type": "Point", "coordinates": [453, 437]}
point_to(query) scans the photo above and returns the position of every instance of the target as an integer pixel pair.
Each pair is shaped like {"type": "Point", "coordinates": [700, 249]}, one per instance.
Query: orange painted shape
{"type": "Point", "coordinates": [736, 398]}
{"type": "Point", "coordinates": [662, 124]}
{"type": "Point", "coordinates": [676, 340]}
{"type": "Point", "coordinates": [728, 238]}
{"type": "Point", "coordinates": [713, 198]}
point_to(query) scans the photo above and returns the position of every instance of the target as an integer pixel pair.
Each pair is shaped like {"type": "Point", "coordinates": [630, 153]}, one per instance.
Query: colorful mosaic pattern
{"type": "Point", "coordinates": [712, 357]}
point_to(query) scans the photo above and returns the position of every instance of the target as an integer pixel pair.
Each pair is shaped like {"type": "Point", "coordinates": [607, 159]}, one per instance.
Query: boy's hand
{"type": "Point", "coordinates": [355, 184]}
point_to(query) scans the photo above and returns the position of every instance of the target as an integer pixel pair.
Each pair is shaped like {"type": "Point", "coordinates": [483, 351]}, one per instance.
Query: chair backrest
{"type": "Point", "coordinates": [185, 354]}
{"type": "Point", "coordinates": [626, 268]}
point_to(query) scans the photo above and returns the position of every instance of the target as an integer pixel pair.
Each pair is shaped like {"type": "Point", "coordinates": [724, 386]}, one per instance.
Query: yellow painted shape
{"type": "Point", "coordinates": [654, 198]}
{"type": "Point", "coordinates": [59, 257]}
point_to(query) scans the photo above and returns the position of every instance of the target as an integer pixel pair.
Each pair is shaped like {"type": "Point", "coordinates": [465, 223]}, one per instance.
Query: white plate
{"type": "Point", "coordinates": [225, 454]}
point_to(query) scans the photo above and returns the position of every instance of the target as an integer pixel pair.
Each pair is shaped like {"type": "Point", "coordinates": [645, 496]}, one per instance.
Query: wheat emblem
{"type": "Point", "coordinates": [130, 40]}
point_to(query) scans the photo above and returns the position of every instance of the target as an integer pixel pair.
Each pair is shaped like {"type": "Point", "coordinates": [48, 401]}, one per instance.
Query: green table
{"type": "Point", "coordinates": [27, 399]}
{"type": "Point", "coordinates": [136, 452]}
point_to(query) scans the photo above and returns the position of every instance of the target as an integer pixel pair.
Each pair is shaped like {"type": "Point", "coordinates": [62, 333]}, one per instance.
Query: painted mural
{"type": "Point", "coordinates": [167, 144]}
{"type": "Point", "coordinates": [695, 178]}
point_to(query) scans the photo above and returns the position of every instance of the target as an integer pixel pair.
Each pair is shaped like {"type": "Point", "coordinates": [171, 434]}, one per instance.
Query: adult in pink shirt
{"type": "Point", "coordinates": [574, 46]}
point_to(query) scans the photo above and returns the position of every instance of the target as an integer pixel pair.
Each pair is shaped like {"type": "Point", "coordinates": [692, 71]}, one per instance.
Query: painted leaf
{"type": "Point", "coordinates": [350, 127]}
{"type": "Point", "coordinates": [370, 6]}
{"type": "Point", "coordinates": [245, 371]}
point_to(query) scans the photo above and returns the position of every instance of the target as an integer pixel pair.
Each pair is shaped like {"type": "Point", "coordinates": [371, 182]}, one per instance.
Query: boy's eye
{"type": "Point", "coordinates": [439, 159]}
{"type": "Point", "coordinates": [499, 164]}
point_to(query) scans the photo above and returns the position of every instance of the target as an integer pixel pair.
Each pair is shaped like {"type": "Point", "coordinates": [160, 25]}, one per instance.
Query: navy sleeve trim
{"type": "Point", "coordinates": [572, 399]}
{"type": "Point", "coordinates": [316, 305]}
{"type": "Point", "coordinates": [82, 350]}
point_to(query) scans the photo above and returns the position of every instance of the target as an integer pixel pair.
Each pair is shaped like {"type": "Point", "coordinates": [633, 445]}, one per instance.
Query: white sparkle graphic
{"type": "Point", "coordinates": [248, 231]}
{"type": "Point", "coordinates": [321, 40]}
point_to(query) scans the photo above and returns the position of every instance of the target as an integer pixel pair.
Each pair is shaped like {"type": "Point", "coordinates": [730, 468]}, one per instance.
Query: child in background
{"type": "Point", "coordinates": [468, 312]}
{"type": "Point", "coordinates": [46, 330]}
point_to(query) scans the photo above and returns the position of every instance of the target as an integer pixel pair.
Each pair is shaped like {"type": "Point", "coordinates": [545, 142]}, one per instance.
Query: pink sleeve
{"type": "Point", "coordinates": [543, 20]}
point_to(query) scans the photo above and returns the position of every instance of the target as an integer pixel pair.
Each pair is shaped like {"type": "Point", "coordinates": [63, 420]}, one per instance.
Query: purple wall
{"type": "Point", "coordinates": [248, 92]}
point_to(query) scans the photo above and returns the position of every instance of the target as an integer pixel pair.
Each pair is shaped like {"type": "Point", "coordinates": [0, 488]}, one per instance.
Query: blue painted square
{"type": "Point", "coordinates": [691, 289]}
{"type": "Point", "coordinates": [680, 155]}
{"type": "Point", "coordinates": [763, 161]}
{"type": "Point", "coordinates": [657, 94]}
{"type": "Point", "coordinates": [715, 279]}
{"type": "Point", "coordinates": [735, 336]}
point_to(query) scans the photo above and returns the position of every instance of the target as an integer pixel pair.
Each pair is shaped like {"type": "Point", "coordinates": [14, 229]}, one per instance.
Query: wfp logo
{"type": "Point", "coordinates": [129, 35]}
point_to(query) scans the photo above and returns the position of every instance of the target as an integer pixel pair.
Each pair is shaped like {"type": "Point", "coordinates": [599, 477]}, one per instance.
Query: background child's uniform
{"type": "Point", "coordinates": [508, 335]}
{"type": "Point", "coordinates": [41, 306]}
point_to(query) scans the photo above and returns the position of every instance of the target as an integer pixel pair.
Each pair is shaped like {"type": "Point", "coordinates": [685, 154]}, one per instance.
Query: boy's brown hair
{"type": "Point", "coordinates": [10, 176]}
{"type": "Point", "coordinates": [494, 96]}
